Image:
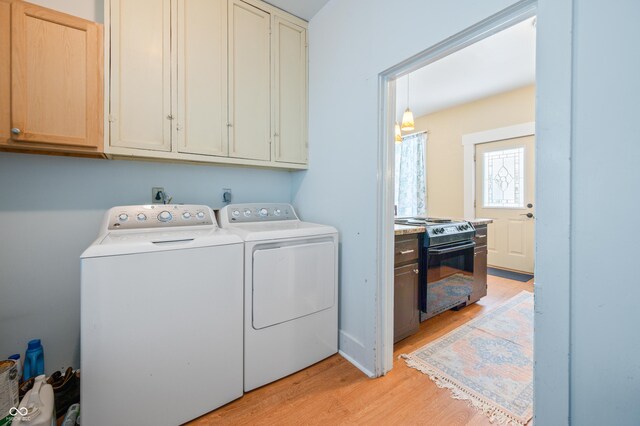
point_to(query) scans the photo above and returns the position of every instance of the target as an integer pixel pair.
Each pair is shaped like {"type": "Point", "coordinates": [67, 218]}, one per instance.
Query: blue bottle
{"type": "Point", "coordinates": [33, 360]}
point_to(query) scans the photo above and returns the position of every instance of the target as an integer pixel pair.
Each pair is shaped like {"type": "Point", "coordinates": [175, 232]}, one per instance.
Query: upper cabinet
{"type": "Point", "coordinates": [140, 71]}
{"type": "Point", "coordinates": [289, 43]}
{"type": "Point", "coordinates": [219, 81]}
{"type": "Point", "coordinates": [51, 80]}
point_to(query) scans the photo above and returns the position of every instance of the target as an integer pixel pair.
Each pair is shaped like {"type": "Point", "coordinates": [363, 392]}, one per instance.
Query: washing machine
{"type": "Point", "coordinates": [290, 290]}
{"type": "Point", "coordinates": [161, 317]}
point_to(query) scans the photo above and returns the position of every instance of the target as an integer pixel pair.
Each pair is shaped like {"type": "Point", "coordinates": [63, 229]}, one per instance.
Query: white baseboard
{"type": "Point", "coordinates": [352, 350]}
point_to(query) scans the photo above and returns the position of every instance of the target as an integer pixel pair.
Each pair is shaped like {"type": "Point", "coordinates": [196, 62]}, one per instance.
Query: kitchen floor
{"type": "Point", "coordinates": [334, 392]}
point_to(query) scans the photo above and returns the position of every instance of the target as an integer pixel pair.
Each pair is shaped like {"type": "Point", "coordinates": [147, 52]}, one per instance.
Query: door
{"type": "Point", "coordinates": [202, 77]}
{"type": "Point", "coordinates": [289, 92]}
{"type": "Point", "coordinates": [292, 281]}
{"type": "Point", "coordinates": [505, 193]}
{"type": "Point", "coordinates": [56, 76]}
{"type": "Point", "coordinates": [140, 109]}
{"type": "Point", "coordinates": [249, 82]}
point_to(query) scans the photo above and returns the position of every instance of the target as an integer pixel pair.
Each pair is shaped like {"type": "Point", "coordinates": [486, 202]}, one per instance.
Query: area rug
{"type": "Point", "coordinates": [487, 361]}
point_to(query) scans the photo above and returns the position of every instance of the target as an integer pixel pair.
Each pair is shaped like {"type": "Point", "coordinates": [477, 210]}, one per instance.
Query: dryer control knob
{"type": "Point", "coordinates": [141, 216]}
{"type": "Point", "coordinates": [264, 212]}
{"type": "Point", "coordinates": [277, 212]}
{"type": "Point", "coordinates": [165, 216]}
{"type": "Point", "coordinates": [247, 212]}
{"type": "Point", "coordinates": [200, 215]}
{"type": "Point", "coordinates": [123, 217]}
{"type": "Point", "coordinates": [186, 215]}
{"type": "Point", "coordinates": [236, 213]}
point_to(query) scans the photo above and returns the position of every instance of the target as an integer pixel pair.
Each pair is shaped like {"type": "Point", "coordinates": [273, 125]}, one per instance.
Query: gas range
{"type": "Point", "coordinates": [440, 231]}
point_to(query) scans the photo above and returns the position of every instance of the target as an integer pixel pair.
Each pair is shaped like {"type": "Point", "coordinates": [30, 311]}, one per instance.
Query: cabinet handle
{"type": "Point", "coordinates": [417, 271]}
{"type": "Point", "coordinates": [16, 131]}
{"type": "Point", "coordinates": [406, 251]}
{"type": "Point", "coordinates": [481, 236]}
{"type": "Point", "coordinates": [229, 125]}
{"type": "Point", "coordinates": [170, 117]}
{"type": "Point", "coordinates": [275, 134]}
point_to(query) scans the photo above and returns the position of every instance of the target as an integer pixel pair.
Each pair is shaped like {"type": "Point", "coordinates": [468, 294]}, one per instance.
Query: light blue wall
{"type": "Point", "coordinates": [350, 43]}
{"type": "Point", "coordinates": [50, 211]}
{"type": "Point", "coordinates": [605, 343]}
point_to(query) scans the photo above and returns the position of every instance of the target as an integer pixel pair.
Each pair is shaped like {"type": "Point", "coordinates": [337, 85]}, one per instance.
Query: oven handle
{"type": "Point", "coordinates": [451, 249]}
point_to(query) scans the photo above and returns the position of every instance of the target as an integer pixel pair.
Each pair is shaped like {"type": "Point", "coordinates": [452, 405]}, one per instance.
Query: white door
{"type": "Point", "coordinates": [292, 281]}
{"type": "Point", "coordinates": [140, 108]}
{"type": "Point", "coordinates": [289, 91]}
{"type": "Point", "coordinates": [202, 77]}
{"type": "Point", "coordinates": [505, 193]}
{"type": "Point", "coordinates": [249, 82]}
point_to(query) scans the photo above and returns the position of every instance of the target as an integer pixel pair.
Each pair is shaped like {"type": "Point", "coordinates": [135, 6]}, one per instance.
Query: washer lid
{"type": "Point", "coordinates": [279, 230]}
{"type": "Point", "coordinates": [147, 241]}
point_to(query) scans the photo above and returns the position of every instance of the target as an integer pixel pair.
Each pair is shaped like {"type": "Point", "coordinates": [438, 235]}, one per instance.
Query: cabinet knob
{"type": "Point", "coordinates": [16, 131]}
{"type": "Point", "coordinates": [416, 271]}
{"type": "Point", "coordinates": [229, 125]}
{"type": "Point", "coordinates": [170, 117]}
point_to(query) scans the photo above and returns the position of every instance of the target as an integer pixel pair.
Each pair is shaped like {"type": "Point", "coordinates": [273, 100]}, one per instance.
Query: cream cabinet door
{"type": "Point", "coordinates": [249, 82]}
{"type": "Point", "coordinates": [140, 107]}
{"type": "Point", "coordinates": [56, 75]}
{"type": "Point", "coordinates": [202, 77]}
{"type": "Point", "coordinates": [290, 91]}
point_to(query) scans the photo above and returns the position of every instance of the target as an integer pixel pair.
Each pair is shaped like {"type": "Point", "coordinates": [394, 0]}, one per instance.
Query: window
{"type": "Point", "coordinates": [410, 177]}
{"type": "Point", "coordinates": [504, 178]}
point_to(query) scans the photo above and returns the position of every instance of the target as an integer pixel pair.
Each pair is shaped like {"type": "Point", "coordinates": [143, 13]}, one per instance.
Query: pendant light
{"type": "Point", "coordinates": [398, 133]}
{"type": "Point", "coordinates": [407, 118]}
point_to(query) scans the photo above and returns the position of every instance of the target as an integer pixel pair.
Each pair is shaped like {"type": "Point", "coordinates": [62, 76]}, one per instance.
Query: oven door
{"type": "Point", "coordinates": [449, 277]}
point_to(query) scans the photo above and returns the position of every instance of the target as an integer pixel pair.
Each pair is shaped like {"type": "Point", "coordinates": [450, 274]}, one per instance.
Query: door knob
{"type": "Point", "coordinates": [529, 215]}
{"type": "Point", "coordinates": [15, 131]}
{"type": "Point", "coordinates": [529, 205]}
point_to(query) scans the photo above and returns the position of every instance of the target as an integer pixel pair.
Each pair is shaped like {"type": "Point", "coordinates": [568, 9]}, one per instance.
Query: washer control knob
{"type": "Point", "coordinates": [277, 212]}
{"type": "Point", "coordinates": [247, 212]}
{"type": "Point", "coordinates": [141, 216]}
{"type": "Point", "coordinates": [263, 212]}
{"type": "Point", "coordinates": [236, 213]}
{"type": "Point", "coordinates": [165, 216]}
{"type": "Point", "coordinates": [186, 215]}
{"type": "Point", "coordinates": [200, 215]}
{"type": "Point", "coordinates": [123, 217]}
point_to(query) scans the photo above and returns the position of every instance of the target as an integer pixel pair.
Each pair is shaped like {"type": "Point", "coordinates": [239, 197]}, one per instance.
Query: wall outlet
{"type": "Point", "coordinates": [157, 193]}
{"type": "Point", "coordinates": [226, 195]}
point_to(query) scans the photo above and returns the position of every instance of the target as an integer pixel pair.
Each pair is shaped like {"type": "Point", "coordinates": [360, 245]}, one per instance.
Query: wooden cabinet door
{"type": "Point", "coordinates": [406, 315]}
{"type": "Point", "coordinates": [249, 82]}
{"type": "Point", "coordinates": [5, 70]}
{"type": "Point", "coordinates": [202, 77]}
{"type": "Point", "coordinates": [289, 91]}
{"type": "Point", "coordinates": [140, 84]}
{"type": "Point", "coordinates": [56, 75]}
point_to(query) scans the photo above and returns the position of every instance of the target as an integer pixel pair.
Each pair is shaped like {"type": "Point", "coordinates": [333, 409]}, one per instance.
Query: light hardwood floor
{"type": "Point", "coordinates": [334, 392]}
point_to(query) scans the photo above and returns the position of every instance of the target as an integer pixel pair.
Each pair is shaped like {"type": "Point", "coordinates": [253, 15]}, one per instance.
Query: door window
{"type": "Point", "coordinates": [503, 179]}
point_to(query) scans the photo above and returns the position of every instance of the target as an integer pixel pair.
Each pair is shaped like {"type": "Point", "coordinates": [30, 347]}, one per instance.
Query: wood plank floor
{"type": "Point", "coordinates": [334, 392]}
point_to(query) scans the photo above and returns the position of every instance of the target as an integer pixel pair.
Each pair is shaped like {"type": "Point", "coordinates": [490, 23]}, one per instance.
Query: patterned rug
{"type": "Point", "coordinates": [487, 361]}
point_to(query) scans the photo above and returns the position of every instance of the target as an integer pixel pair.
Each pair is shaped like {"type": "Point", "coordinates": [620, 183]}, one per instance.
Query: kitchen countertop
{"type": "Point", "coordinates": [408, 229]}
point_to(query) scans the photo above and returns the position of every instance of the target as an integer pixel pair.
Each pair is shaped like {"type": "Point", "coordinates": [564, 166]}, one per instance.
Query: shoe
{"type": "Point", "coordinates": [66, 389]}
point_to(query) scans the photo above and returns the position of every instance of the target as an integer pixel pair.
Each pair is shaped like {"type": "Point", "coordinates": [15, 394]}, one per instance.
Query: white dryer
{"type": "Point", "coordinates": [291, 290]}
{"type": "Point", "coordinates": [161, 317]}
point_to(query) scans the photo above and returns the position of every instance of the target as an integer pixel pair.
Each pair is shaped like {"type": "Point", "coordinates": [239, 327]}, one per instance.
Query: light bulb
{"type": "Point", "coordinates": [398, 133]}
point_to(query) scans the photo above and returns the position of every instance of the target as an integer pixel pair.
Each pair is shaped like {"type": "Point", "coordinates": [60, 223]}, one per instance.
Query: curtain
{"type": "Point", "coordinates": [410, 179]}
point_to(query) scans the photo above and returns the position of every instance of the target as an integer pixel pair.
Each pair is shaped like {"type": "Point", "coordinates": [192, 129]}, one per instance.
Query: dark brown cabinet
{"type": "Point", "coordinates": [406, 315]}
{"type": "Point", "coordinates": [479, 265]}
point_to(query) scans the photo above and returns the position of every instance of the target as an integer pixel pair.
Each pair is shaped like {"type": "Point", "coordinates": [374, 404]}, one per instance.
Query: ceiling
{"type": "Point", "coordinates": [501, 62]}
{"type": "Point", "coordinates": [304, 9]}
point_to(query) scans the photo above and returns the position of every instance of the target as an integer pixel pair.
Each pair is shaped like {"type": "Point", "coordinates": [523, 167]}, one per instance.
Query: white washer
{"type": "Point", "coordinates": [291, 290]}
{"type": "Point", "coordinates": [161, 317]}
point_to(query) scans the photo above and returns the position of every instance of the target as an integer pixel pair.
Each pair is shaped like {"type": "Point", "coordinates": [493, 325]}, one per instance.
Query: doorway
{"type": "Point", "coordinates": [387, 87]}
